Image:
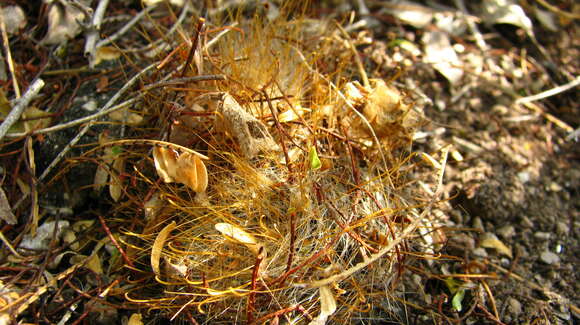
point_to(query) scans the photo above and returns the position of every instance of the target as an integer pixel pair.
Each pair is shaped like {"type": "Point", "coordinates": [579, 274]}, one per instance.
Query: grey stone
{"type": "Point", "coordinates": [549, 258]}
{"type": "Point", "coordinates": [515, 307]}
{"type": "Point", "coordinates": [507, 232]}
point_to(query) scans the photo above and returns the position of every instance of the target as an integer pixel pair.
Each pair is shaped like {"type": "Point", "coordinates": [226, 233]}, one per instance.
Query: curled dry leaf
{"type": "Point", "coordinates": [107, 53]}
{"type": "Point", "coordinates": [135, 319]}
{"type": "Point", "coordinates": [158, 246]}
{"type": "Point", "coordinates": [63, 22]}
{"type": "Point", "coordinates": [238, 235]}
{"type": "Point", "coordinates": [250, 133]}
{"type": "Point", "coordinates": [185, 168]}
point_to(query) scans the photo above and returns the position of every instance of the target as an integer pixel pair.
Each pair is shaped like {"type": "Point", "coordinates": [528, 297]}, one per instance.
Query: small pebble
{"type": "Point", "coordinates": [526, 222]}
{"type": "Point", "coordinates": [562, 228]}
{"type": "Point", "coordinates": [549, 258]}
{"type": "Point", "coordinates": [524, 177]}
{"type": "Point", "coordinates": [477, 224]}
{"type": "Point", "coordinates": [555, 187]}
{"type": "Point", "coordinates": [464, 241]}
{"type": "Point", "coordinates": [480, 252]}
{"type": "Point", "coordinates": [542, 235]}
{"type": "Point", "coordinates": [507, 232]}
{"type": "Point", "coordinates": [514, 306]}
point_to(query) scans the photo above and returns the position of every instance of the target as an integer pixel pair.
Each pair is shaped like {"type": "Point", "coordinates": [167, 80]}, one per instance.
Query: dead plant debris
{"type": "Point", "coordinates": [355, 162]}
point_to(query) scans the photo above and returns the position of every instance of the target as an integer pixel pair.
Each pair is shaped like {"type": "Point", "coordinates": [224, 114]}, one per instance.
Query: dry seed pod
{"type": "Point", "coordinates": [185, 168]}
{"type": "Point", "coordinates": [251, 134]}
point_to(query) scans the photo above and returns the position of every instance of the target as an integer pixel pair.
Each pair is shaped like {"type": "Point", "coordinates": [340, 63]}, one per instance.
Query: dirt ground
{"type": "Point", "coordinates": [511, 198]}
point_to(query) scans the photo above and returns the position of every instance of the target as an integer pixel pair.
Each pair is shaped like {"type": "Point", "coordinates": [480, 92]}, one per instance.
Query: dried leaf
{"type": "Point", "coordinates": [63, 22]}
{"type": "Point", "coordinates": [37, 118]}
{"type": "Point", "coordinates": [5, 209]}
{"type": "Point", "coordinates": [106, 53]}
{"type": "Point", "coordinates": [135, 319]}
{"type": "Point", "coordinates": [327, 306]}
{"type": "Point", "coordinates": [165, 163]}
{"type": "Point", "coordinates": [327, 302]}
{"type": "Point", "coordinates": [157, 247]}
{"type": "Point", "coordinates": [153, 205]}
{"type": "Point", "coordinates": [191, 171]}
{"type": "Point", "coordinates": [489, 240]}
{"type": "Point", "coordinates": [292, 114]}
{"type": "Point", "coordinates": [185, 168]}
{"type": "Point", "coordinates": [116, 184]}
{"type": "Point", "coordinates": [410, 13]}
{"type": "Point", "coordinates": [44, 233]}
{"type": "Point", "coordinates": [547, 19]}
{"type": "Point", "coordinates": [94, 264]}
{"type": "Point", "coordinates": [506, 12]}
{"type": "Point", "coordinates": [238, 235]}
{"type": "Point", "coordinates": [124, 115]}
{"type": "Point", "coordinates": [102, 173]}
{"type": "Point", "coordinates": [440, 53]}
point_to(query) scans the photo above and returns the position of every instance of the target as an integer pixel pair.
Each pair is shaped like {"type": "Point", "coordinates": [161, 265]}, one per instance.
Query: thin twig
{"type": "Point", "coordinates": [82, 120]}
{"type": "Point", "coordinates": [194, 45]}
{"type": "Point", "coordinates": [281, 130]}
{"type": "Point", "coordinates": [21, 104]}
{"type": "Point", "coordinates": [178, 81]}
{"type": "Point", "coordinates": [551, 92]}
{"type": "Point", "coordinates": [214, 40]}
{"type": "Point", "coordinates": [94, 31]}
{"type": "Point", "coordinates": [125, 28]}
{"type": "Point", "coordinates": [6, 43]}
{"type": "Point", "coordinates": [9, 245]}
{"type": "Point", "coordinates": [170, 32]}
{"type": "Point", "coordinates": [114, 241]}
{"type": "Point", "coordinates": [292, 241]}
{"type": "Point", "coordinates": [252, 295]}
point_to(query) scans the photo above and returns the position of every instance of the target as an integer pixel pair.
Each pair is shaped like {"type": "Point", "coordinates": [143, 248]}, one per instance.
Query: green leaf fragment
{"type": "Point", "coordinates": [457, 299]}
{"type": "Point", "coordinates": [313, 159]}
{"type": "Point", "coordinates": [116, 150]}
